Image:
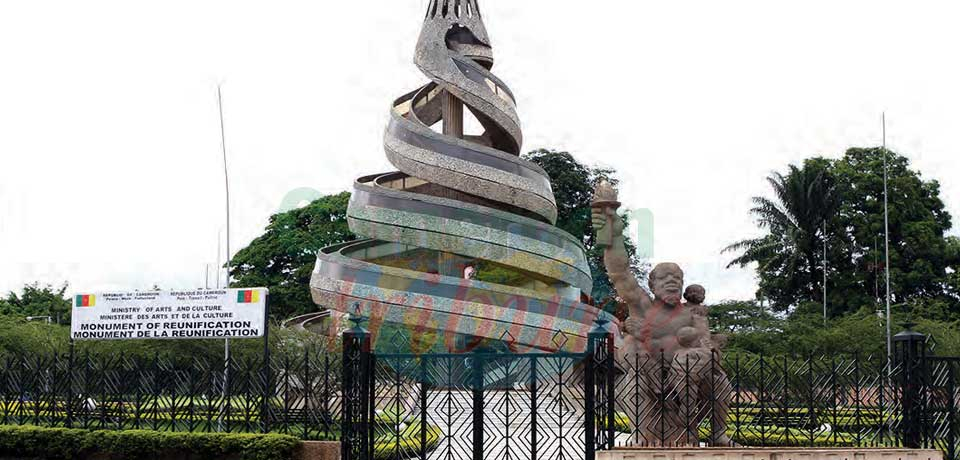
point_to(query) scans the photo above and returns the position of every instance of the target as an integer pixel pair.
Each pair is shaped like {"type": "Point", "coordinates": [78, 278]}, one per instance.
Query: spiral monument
{"type": "Point", "coordinates": [459, 203]}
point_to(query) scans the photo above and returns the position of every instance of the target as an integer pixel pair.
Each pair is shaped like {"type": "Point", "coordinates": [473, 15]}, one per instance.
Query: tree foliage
{"type": "Point", "coordinates": [739, 317]}
{"type": "Point", "coordinates": [803, 332]}
{"type": "Point", "coordinates": [573, 184]}
{"type": "Point", "coordinates": [789, 253]}
{"type": "Point", "coordinates": [38, 300]}
{"type": "Point", "coordinates": [846, 195]}
{"type": "Point", "coordinates": [283, 258]}
{"type": "Point", "coordinates": [919, 255]}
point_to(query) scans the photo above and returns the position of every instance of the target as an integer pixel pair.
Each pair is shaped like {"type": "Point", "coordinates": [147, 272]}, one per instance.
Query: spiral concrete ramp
{"type": "Point", "coordinates": [459, 203]}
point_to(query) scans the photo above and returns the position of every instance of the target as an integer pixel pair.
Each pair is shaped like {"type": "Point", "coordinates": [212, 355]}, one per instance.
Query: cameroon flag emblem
{"type": "Point", "coordinates": [248, 296]}
{"type": "Point", "coordinates": [86, 300]}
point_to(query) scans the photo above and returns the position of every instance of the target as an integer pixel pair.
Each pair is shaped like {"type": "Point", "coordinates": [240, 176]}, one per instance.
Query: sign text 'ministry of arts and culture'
{"type": "Point", "coordinates": [200, 314]}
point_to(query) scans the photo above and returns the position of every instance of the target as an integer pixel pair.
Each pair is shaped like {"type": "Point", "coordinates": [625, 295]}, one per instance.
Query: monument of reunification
{"type": "Point", "coordinates": [463, 205]}
{"type": "Point", "coordinates": [461, 201]}
{"type": "Point", "coordinates": [458, 200]}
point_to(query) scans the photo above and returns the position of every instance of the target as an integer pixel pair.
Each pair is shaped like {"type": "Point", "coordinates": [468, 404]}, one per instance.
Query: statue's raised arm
{"type": "Point", "coordinates": [609, 229]}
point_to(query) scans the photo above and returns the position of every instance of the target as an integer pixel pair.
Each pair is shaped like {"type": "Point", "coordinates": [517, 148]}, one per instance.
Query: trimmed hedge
{"type": "Point", "coordinates": [387, 445]}
{"type": "Point", "coordinates": [65, 443]}
{"type": "Point", "coordinates": [407, 445]}
{"type": "Point", "coordinates": [621, 422]}
{"type": "Point", "coordinates": [773, 436]}
{"type": "Point", "coordinates": [781, 437]}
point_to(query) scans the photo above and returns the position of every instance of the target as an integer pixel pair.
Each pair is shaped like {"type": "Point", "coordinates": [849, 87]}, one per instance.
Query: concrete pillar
{"type": "Point", "coordinates": [452, 116]}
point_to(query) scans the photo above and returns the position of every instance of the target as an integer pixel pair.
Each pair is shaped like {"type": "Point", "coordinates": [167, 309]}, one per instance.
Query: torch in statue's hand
{"type": "Point", "coordinates": [606, 222]}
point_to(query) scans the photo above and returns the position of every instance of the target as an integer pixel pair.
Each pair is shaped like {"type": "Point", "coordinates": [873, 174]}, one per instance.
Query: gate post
{"type": "Point", "coordinates": [476, 361]}
{"type": "Point", "coordinates": [356, 392]}
{"type": "Point", "coordinates": [600, 382]}
{"type": "Point", "coordinates": [590, 391]}
{"type": "Point", "coordinates": [910, 354]}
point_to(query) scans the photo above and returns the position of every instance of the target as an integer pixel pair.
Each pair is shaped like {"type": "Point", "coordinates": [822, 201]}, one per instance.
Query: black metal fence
{"type": "Point", "coordinates": [571, 405]}
{"type": "Point", "coordinates": [758, 401]}
{"type": "Point", "coordinates": [940, 403]}
{"type": "Point", "coordinates": [296, 395]}
{"type": "Point", "coordinates": [501, 405]}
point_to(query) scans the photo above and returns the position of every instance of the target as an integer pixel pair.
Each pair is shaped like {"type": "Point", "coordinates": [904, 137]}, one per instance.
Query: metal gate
{"type": "Point", "coordinates": [476, 405]}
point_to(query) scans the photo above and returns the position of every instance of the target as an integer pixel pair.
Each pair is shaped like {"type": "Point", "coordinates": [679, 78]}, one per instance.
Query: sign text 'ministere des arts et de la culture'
{"type": "Point", "coordinates": [198, 314]}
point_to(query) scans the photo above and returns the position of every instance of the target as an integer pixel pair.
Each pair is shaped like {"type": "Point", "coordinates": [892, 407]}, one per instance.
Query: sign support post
{"type": "Point", "coordinates": [267, 384]}
{"type": "Point", "coordinates": [69, 398]}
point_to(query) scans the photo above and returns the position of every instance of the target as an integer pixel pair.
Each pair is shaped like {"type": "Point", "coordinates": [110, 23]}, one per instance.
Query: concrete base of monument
{"type": "Point", "coordinates": [318, 450]}
{"type": "Point", "coordinates": [767, 453]}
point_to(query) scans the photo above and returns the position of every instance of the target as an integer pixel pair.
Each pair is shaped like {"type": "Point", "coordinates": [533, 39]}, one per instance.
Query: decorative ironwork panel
{"type": "Point", "coordinates": [479, 405]}
{"type": "Point", "coordinates": [941, 400]}
{"type": "Point", "coordinates": [756, 401]}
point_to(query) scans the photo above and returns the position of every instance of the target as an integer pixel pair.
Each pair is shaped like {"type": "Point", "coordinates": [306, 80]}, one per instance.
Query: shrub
{"type": "Point", "coordinates": [398, 437]}
{"type": "Point", "coordinates": [621, 422]}
{"type": "Point", "coordinates": [774, 436]}
{"type": "Point", "coordinates": [65, 443]}
{"type": "Point", "coordinates": [407, 445]}
{"type": "Point", "coordinates": [750, 435]}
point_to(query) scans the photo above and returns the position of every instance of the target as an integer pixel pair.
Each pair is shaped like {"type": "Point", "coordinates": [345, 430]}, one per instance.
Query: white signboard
{"type": "Point", "coordinates": [200, 314]}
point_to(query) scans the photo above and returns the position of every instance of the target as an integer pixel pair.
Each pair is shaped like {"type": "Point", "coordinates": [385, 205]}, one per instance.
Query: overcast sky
{"type": "Point", "coordinates": [110, 169]}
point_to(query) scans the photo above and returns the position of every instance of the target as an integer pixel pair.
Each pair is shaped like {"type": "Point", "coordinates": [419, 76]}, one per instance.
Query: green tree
{"type": "Point", "coordinates": [283, 258]}
{"type": "Point", "coordinates": [789, 255]}
{"type": "Point", "coordinates": [19, 337]}
{"type": "Point", "coordinates": [847, 196]}
{"type": "Point", "coordinates": [738, 317]}
{"type": "Point", "coordinates": [39, 300]}
{"type": "Point", "coordinates": [861, 332]}
{"type": "Point", "coordinates": [573, 184]}
{"type": "Point", "coordinates": [749, 326]}
{"type": "Point", "coordinates": [953, 271]}
{"type": "Point", "coordinates": [946, 335]}
{"type": "Point", "coordinates": [921, 258]}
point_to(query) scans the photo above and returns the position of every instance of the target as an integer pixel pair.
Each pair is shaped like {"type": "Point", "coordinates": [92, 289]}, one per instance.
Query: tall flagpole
{"type": "Point", "coordinates": [226, 183]}
{"type": "Point", "coordinates": [226, 176]}
{"type": "Point", "coordinates": [824, 272]}
{"type": "Point", "coordinates": [219, 248]}
{"type": "Point", "coordinates": [886, 237]}
{"type": "Point", "coordinates": [876, 266]}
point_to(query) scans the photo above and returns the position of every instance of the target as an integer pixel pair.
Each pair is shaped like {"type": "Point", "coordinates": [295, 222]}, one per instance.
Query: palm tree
{"type": "Point", "coordinates": [790, 253]}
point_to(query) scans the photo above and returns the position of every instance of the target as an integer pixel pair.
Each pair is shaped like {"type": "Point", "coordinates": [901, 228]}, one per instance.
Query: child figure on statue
{"type": "Point", "coordinates": [690, 370]}
{"type": "Point", "coordinates": [697, 335]}
{"type": "Point", "coordinates": [700, 337]}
